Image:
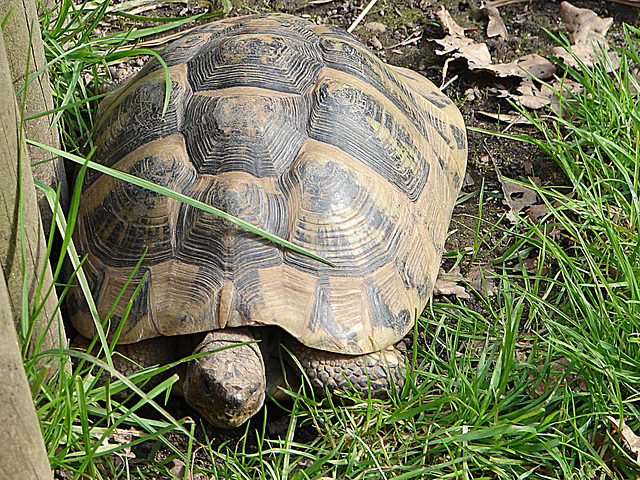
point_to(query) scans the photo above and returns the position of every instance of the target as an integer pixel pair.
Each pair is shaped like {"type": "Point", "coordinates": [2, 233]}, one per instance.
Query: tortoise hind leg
{"type": "Point", "coordinates": [376, 372]}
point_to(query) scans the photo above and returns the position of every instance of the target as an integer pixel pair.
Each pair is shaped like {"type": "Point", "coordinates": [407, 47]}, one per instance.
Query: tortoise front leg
{"type": "Point", "coordinates": [376, 372]}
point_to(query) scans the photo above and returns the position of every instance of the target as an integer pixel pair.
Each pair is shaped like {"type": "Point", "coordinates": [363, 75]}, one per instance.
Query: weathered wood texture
{"type": "Point", "coordinates": [23, 454]}
{"type": "Point", "coordinates": [14, 155]}
{"type": "Point", "coordinates": [25, 53]}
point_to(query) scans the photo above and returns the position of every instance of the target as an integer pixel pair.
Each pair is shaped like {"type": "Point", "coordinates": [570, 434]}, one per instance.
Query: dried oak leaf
{"type": "Point", "coordinates": [531, 65]}
{"type": "Point", "coordinates": [537, 212]}
{"type": "Point", "coordinates": [476, 54]}
{"type": "Point", "coordinates": [178, 468]}
{"type": "Point", "coordinates": [480, 278]}
{"type": "Point", "coordinates": [587, 34]}
{"type": "Point", "coordinates": [455, 42]}
{"type": "Point", "coordinates": [516, 196]}
{"type": "Point", "coordinates": [448, 284]}
{"type": "Point", "coordinates": [448, 24]}
{"type": "Point", "coordinates": [495, 25]}
{"type": "Point", "coordinates": [631, 440]}
{"type": "Point", "coordinates": [583, 23]}
{"type": "Point", "coordinates": [531, 266]}
{"type": "Point", "coordinates": [550, 381]}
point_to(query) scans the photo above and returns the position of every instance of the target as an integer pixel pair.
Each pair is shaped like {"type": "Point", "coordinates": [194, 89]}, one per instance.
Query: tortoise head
{"type": "Point", "coordinates": [227, 386]}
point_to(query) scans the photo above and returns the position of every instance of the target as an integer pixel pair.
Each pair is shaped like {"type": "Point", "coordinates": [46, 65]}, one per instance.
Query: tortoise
{"type": "Point", "coordinates": [300, 130]}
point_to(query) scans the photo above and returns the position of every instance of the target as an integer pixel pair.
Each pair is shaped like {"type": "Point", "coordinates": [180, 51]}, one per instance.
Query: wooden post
{"type": "Point", "coordinates": [25, 53]}
{"type": "Point", "coordinates": [22, 451]}
{"type": "Point", "coordinates": [16, 193]}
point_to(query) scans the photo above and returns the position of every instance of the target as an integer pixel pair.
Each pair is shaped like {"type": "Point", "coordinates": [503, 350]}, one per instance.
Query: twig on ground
{"type": "Point", "coordinates": [361, 16]}
{"type": "Point", "coordinates": [413, 38]}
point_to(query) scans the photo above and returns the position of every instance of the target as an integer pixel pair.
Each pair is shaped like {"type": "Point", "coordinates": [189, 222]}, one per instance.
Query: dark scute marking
{"type": "Point", "coordinates": [203, 286]}
{"type": "Point", "coordinates": [424, 289]}
{"type": "Point", "coordinates": [343, 117]}
{"type": "Point", "coordinates": [322, 314]}
{"type": "Point", "coordinates": [114, 321]}
{"type": "Point", "coordinates": [182, 50]}
{"type": "Point", "coordinates": [347, 55]}
{"type": "Point", "coordinates": [351, 57]}
{"type": "Point", "coordinates": [381, 314]}
{"type": "Point", "coordinates": [287, 26]}
{"type": "Point", "coordinates": [206, 37]}
{"type": "Point", "coordinates": [436, 99]}
{"type": "Point", "coordinates": [257, 135]}
{"type": "Point", "coordinates": [254, 60]}
{"type": "Point", "coordinates": [322, 318]}
{"type": "Point", "coordinates": [132, 220]}
{"type": "Point", "coordinates": [208, 240]}
{"type": "Point", "coordinates": [244, 302]}
{"type": "Point", "coordinates": [459, 137]}
{"type": "Point", "coordinates": [167, 173]}
{"type": "Point", "coordinates": [456, 180]}
{"type": "Point", "coordinates": [140, 305]}
{"type": "Point", "coordinates": [318, 180]}
{"type": "Point", "coordinates": [76, 302]}
{"type": "Point", "coordinates": [358, 239]}
{"type": "Point", "coordinates": [120, 244]}
{"type": "Point", "coordinates": [410, 282]}
{"type": "Point", "coordinates": [136, 121]}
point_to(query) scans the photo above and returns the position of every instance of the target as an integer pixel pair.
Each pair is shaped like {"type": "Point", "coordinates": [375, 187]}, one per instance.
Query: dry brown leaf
{"type": "Point", "coordinates": [587, 34]}
{"type": "Point", "coordinates": [455, 43]}
{"type": "Point", "coordinates": [525, 67]}
{"type": "Point", "coordinates": [530, 96]}
{"type": "Point", "coordinates": [495, 26]}
{"type": "Point", "coordinates": [537, 212]}
{"type": "Point", "coordinates": [631, 440]}
{"type": "Point", "coordinates": [376, 27]}
{"type": "Point", "coordinates": [531, 266]}
{"type": "Point", "coordinates": [476, 54]}
{"type": "Point", "coordinates": [480, 278]}
{"type": "Point", "coordinates": [122, 436]}
{"type": "Point", "coordinates": [447, 284]}
{"type": "Point", "coordinates": [558, 368]}
{"type": "Point", "coordinates": [517, 197]}
{"type": "Point", "coordinates": [506, 118]}
{"type": "Point", "coordinates": [583, 23]}
{"type": "Point", "coordinates": [178, 468]}
{"type": "Point", "coordinates": [536, 66]}
{"type": "Point", "coordinates": [533, 96]}
{"type": "Point", "coordinates": [448, 24]}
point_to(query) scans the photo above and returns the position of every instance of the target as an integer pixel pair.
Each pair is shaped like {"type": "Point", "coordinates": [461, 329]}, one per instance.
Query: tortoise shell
{"type": "Point", "coordinates": [300, 130]}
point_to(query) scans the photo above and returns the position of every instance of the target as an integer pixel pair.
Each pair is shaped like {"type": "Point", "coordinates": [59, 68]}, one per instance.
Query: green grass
{"type": "Point", "coordinates": [518, 386]}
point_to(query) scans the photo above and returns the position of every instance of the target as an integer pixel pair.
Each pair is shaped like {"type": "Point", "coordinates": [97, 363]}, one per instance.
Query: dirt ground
{"type": "Point", "coordinates": [402, 37]}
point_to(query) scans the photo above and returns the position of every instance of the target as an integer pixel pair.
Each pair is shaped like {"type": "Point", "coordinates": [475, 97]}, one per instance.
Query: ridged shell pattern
{"type": "Point", "coordinates": [300, 130]}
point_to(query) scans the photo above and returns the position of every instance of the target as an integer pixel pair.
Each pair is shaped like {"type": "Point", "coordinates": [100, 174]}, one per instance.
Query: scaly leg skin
{"type": "Point", "coordinates": [376, 372]}
{"type": "Point", "coordinates": [226, 386]}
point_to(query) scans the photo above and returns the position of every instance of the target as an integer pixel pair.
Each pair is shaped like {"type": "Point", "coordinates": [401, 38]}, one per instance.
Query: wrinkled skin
{"type": "Point", "coordinates": [227, 387]}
